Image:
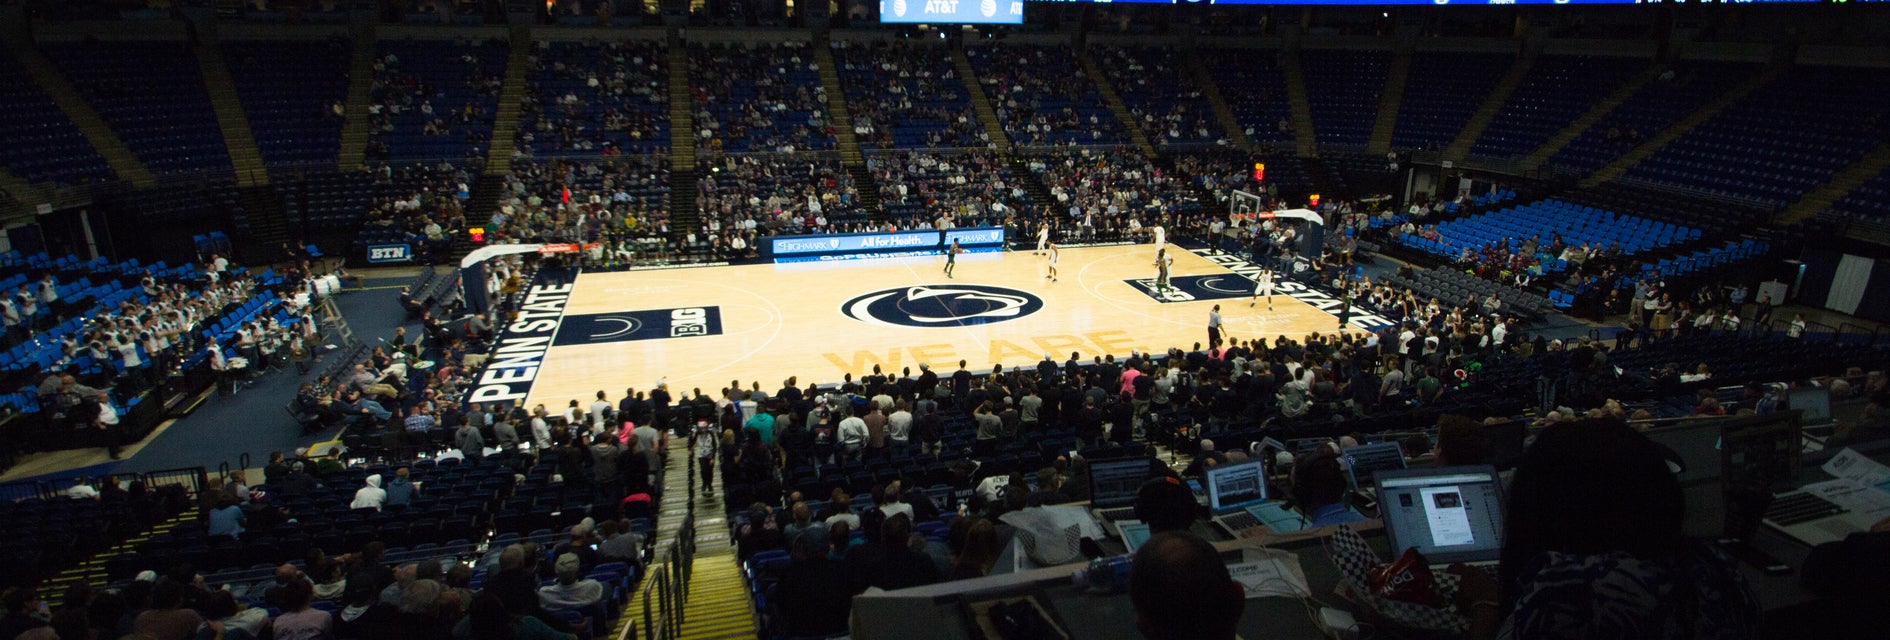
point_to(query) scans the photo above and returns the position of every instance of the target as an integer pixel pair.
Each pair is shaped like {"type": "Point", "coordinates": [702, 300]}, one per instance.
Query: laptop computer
{"type": "Point", "coordinates": [1449, 514]}
{"type": "Point", "coordinates": [1237, 501]}
{"type": "Point", "coordinates": [1113, 485]}
{"type": "Point", "coordinates": [1813, 405]}
{"type": "Point", "coordinates": [1363, 462]}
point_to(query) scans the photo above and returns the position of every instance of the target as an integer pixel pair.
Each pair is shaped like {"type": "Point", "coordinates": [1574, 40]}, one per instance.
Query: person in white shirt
{"type": "Point", "coordinates": [600, 411]}
{"type": "Point", "coordinates": [899, 424]}
{"type": "Point", "coordinates": [1263, 287]}
{"type": "Point", "coordinates": [890, 502]}
{"type": "Point", "coordinates": [1043, 238]}
{"type": "Point", "coordinates": [853, 434]}
{"type": "Point", "coordinates": [370, 495]}
{"type": "Point", "coordinates": [541, 429]}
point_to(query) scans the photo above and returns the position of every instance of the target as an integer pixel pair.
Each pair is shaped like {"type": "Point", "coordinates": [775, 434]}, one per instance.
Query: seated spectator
{"type": "Point", "coordinates": [1181, 590]}
{"type": "Point", "coordinates": [1166, 504]}
{"type": "Point", "coordinates": [978, 553]}
{"type": "Point", "coordinates": [400, 490]}
{"type": "Point", "coordinates": [1460, 441]}
{"type": "Point", "coordinates": [226, 520]}
{"type": "Point", "coordinates": [1319, 488]}
{"type": "Point", "coordinates": [1593, 548]}
{"type": "Point", "coordinates": [370, 495]}
{"type": "Point", "coordinates": [896, 565]}
{"type": "Point", "coordinates": [299, 622]}
{"type": "Point", "coordinates": [488, 619]}
{"type": "Point", "coordinates": [168, 618]}
{"type": "Point", "coordinates": [572, 590]}
{"type": "Point", "coordinates": [22, 612]}
{"type": "Point", "coordinates": [814, 594]}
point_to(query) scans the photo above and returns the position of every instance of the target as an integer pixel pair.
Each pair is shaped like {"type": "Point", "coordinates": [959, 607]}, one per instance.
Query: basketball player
{"type": "Point", "coordinates": [1162, 263]}
{"type": "Point", "coordinates": [1161, 237]}
{"type": "Point", "coordinates": [951, 257]}
{"type": "Point", "coordinates": [1043, 238]}
{"type": "Point", "coordinates": [1053, 262]}
{"type": "Point", "coordinates": [1263, 288]}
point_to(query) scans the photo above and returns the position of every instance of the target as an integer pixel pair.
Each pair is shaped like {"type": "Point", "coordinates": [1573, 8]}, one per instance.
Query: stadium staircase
{"type": "Point", "coordinates": [118, 156]}
{"type": "Point", "coordinates": [1223, 114]}
{"type": "Point", "coordinates": [92, 571]}
{"type": "Point", "coordinates": [1034, 186]}
{"type": "Point", "coordinates": [518, 67]}
{"type": "Point", "coordinates": [1115, 103]}
{"type": "Point", "coordinates": [238, 138]}
{"type": "Point", "coordinates": [1600, 110]}
{"type": "Point", "coordinates": [683, 216]}
{"type": "Point", "coordinates": [980, 103]}
{"type": "Point", "coordinates": [265, 225]}
{"type": "Point", "coordinates": [1388, 101]}
{"type": "Point", "coordinates": [702, 592]}
{"type": "Point", "coordinates": [1634, 156]}
{"type": "Point", "coordinates": [1493, 103]}
{"type": "Point", "coordinates": [356, 126]}
{"type": "Point", "coordinates": [1842, 184]}
{"type": "Point", "coordinates": [23, 194]}
{"type": "Point", "coordinates": [1305, 144]}
{"type": "Point", "coordinates": [842, 119]}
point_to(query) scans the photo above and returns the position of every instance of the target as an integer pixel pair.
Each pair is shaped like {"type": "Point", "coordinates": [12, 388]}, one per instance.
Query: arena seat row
{"type": "Point", "coordinates": [1780, 142]}
{"type": "Point", "coordinates": [1650, 110]}
{"type": "Point", "coordinates": [1343, 87]}
{"type": "Point", "coordinates": [1556, 91]}
{"type": "Point", "coordinates": [908, 94]}
{"type": "Point", "coordinates": [1254, 86]}
{"type": "Point", "coordinates": [1443, 91]}
{"type": "Point", "coordinates": [153, 96]}
{"type": "Point", "coordinates": [42, 143]}
{"type": "Point", "coordinates": [596, 96]}
{"type": "Point", "coordinates": [288, 89]}
{"type": "Point", "coordinates": [1161, 95]}
{"type": "Point", "coordinates": [457, 80]}
{"type": "Point", "coordinates": [767, 97]}
{"type": "Point", "coordinates": [1045, 89]}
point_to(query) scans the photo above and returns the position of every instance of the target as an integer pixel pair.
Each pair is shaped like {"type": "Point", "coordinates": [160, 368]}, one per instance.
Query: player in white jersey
{"type": "Point", "coordinates": [1043, 238]}
{"type": "Point", "coordinates": [1263, 288]}
{"type": "Point", "coordinates": [1161, 238]}
{"type": "Point", "coordinates": [1053, 262]}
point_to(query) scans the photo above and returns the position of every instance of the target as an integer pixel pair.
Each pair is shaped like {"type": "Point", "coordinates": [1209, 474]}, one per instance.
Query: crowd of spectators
{"type": "Point", "coordinates": [1043, 97]}
{"type": "Point", "coordinates": [424, 100]}
{"type": "Point", "coordinates": [604, 100]}
{"type": "Point", "coordinates": [430, 209]}
{"type": "Point", "coordinates": [906, 96]}
{"type": "Point", "coordinates": [621, 203]}
{"type": "Point", "coordinates": [936, 190]}
{"type": "Point", "coordinates": [764, 97]}
{"type": "Point", "coordinates": [1160, 94]}
{"type": "Point", "coordinates": [1112, 195]}
{"type": "Point", "coordinates": [744, 197]}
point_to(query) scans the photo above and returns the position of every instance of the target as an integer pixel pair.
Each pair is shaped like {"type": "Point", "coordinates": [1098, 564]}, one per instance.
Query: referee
{"type": "Point", "coordinates": [1214, 328]}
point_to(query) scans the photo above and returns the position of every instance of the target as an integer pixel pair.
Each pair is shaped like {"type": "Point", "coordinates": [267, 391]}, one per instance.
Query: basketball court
{"type": "Point", "coordinates": [703, 327]}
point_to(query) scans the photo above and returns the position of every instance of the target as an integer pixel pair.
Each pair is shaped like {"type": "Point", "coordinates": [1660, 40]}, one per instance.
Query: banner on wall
{"type": "Point", "coordinates": [386, 253]}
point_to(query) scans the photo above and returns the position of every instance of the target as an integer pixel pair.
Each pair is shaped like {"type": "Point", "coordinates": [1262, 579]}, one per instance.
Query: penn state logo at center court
{"type": "Point", "coordinates": [941, 305]}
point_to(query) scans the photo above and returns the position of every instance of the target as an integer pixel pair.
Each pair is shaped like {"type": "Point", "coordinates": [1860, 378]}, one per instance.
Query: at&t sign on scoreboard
{"type": "Point", "coordinates": [951, 11]}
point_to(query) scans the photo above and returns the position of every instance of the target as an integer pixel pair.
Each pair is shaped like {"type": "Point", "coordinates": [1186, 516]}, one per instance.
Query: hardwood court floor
{"type": "Point", "coordinates": [792, 319]}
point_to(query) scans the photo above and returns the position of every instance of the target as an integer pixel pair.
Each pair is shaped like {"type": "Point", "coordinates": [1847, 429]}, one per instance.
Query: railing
{"type": "Point", "coordinates": [666, 588]}
{"type": "Point", "coordinates": [192, 479]}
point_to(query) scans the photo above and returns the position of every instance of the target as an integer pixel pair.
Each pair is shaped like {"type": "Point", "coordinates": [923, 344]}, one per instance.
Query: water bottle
{"type": "Point", "coordinates": [1105, 575]}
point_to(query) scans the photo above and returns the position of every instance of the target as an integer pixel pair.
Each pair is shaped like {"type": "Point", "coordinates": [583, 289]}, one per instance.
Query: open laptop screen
{"type": "Point", "coordinates": [1363, 462]}
{"type": "Point", "coordinates": [1814, 402]}
{"type": "Point", "coordinates": [1449, 514]}
{"type": "Point", "coordinates": [1236, 486]}
{"type": "Point", "coordinates": [1113, 483]}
